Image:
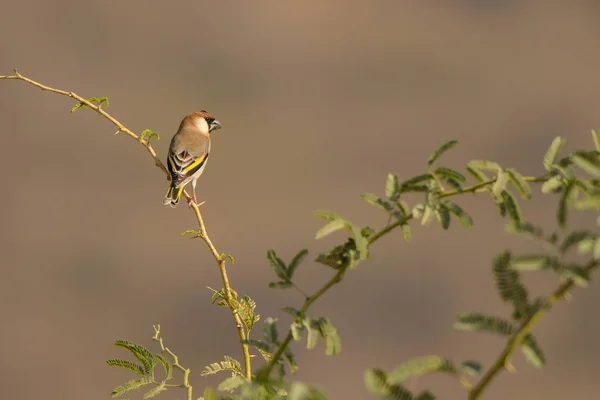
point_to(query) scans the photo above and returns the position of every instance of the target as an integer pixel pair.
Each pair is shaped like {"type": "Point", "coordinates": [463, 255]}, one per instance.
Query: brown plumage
{"type": "Point", "coordinates": [188, 154]}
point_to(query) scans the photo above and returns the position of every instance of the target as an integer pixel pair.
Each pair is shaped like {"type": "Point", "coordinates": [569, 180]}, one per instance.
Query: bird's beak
{"type": "Point", "coordinates": [215, 125]}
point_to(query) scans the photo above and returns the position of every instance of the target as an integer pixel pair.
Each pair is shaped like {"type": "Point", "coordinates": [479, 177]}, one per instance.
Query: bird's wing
{"type": "Point", "coordinates": [187, 157]}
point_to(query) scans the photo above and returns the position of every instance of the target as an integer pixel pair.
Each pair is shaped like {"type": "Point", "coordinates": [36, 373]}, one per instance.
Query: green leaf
{"type": "Point", "coordinates": [247, 311]}
{"type": "Point", "coordinates": [443, 216]}
{"type": "Point", "coordinates": [98, 100]}
{"type": "Point", "coordinates": [329, 334]}
{"type": "Point", "coordinates": [376, 381]}
{"type": "Point", "coordinates": [313, 334]}
{"type": "Point", "coordinates": [330, 228]}
{"type": "Point", "coordinates": [531, 262]}
{"type": "Point", "coordinates": [229, 364]}
{"type": "Point", "coordinates": [127, 365]}
{"type": "Point", "coordinates": [481, 322]}
{"type": "Point", "coordinates": [552, 152]}
{"type": "Point", "coordinates": [441, 150]}
{"type": "Point", "coordinates": [406, 232]}
{"type": "Point", "coordinates": [574, 238]}
{"type": "Point", "coordinates": [418, 366]}
{"type": "Point", "coordinates": [444, 172]}
{"type": "Point", "coordinates": [399, 392]}
{"type": "Point", "coordinates": [500, 184]}
{"type": "Point", "coordinates": [289, 356]}
{"type": "Point", "coordinates": [144, 356]}
{"type": "Point", "coordinates": [296, 261]}
{"type": "Point", "coordinates": [328, 215]}
{"type": "Point", "coordinates": [380, 203]}
{"type": "Point", "coordinates": [464, 218]}
{"type": "Point", "coordinates": [533, 353]}
{"type": "Point", "coordinates": [512, 207]}
{"type": "Point", "coordinates": [148, 134]}
{"type": "Point", "coordinates": [590, 202]}
{"type": "Point", "coordinates": [596, 139]}
{"type": "Point", "coordinates": [130, 385]}
{"type": "Point", "coordinates": [296, 330]}
{"type": "Point", "coordinates": [577, 274]}
{"type": "Point", "coordinates": [588, 161]}
{"type": "Point", "coordinates": [471, 367]}
{"type": "Point", "coordinates": [166, 365]}
{"type": "Point", "coordinates": [301, 391]}
{"type": "Point", "coordinates": [417, 179]}
{"type": "Point", "coordinates": [552, 184]}
{"type": "Point", "coordinates": [263, 348]}
{"type": "Point", "coordinates": [153, 392]}
{"type": "Point", "coordinates": [280, 285]}
{"type": "Point", "coordinates": [477, 174]}
{"type": "Point", "coordinates": [519, 183]}
{"type": "Point", "coordinates": [509, 284]}
{"type": "Point", "coordinates": [485, 165]}
{"type": "Point", "coordinates": [563, 205]}
{"type": "Point", "coordinates": [271, 334]}
{"type": "Point", "coordinates": [277, 265]}
{"type": "Point", "coordinates": [427, 214]}
{"type": "Point", "coordinates": [418, 210]}
{"type": "Point", "coordinates": [392, 188]}
{"type": "Point", "coordinates": [231, 383]}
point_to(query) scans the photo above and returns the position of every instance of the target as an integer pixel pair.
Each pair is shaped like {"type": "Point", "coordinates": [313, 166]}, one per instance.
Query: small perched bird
{"type": "Point", "coordinates": [188, 154]}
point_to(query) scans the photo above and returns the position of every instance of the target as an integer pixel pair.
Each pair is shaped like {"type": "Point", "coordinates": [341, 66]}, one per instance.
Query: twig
{"type": "Point", "coordinates": [195, 208]}
{"type": "Point", "coordinates": [186, 371]}
{"type": "Point", "coordinates": [503, 360]}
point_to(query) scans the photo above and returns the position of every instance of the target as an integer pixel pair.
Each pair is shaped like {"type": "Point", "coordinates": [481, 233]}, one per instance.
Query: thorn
{"type": "Point", "coordinates": [509, 367]}
{"type": "Point", "coordinates": [568, 296]}
{"type": "Point", "coordinates": [118, 131]}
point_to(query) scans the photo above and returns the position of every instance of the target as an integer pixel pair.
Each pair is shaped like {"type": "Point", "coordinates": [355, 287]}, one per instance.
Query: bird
{"type": "Point", "coordinates": [188, 154]}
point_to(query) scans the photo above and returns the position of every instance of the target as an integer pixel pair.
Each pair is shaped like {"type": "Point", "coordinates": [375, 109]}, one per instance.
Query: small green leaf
{"type": "Point", "coordinates": [512, 207]}
{"type": "Point", "coordinates": [450, 173]}
{"type": "Point", "coordinates": [296, 261]}
{"type": "Point", "coordinates": [415, 367]}
{"type": "Point", "coordinates": [313, 335]}
{"type": "Point", "coordinates": [577, 274]}
{"type": "Point", "coordinates": [531, 262]}
{"type": "Point", "coordinates": [277, 265]}
{"type": "Point", "coordinates": [130, 385]}
{"type": "Point", "coordinates": [166, 365]}
{"type": "Point", "coordinates": [563, 205]}
{"type": "Point", "coordinates": [589, 203]}
{"type": "Point", "coordinates": [574, 238]}
{"type": "Point", "coordinates": [289, 356]}
{"type": "Point", "coordinates": [376, 381]}
{"type": "Point", "coordinates": [392, 187]}
{"type": "Point", "coordinates": [378, 202]}
{"type": "Point", "coordinates": [427, 214]}
{"type": "Point", "coordinates": [485, 165]}
{"type": "Point", "coordinates": [144, 356]}
{"type": "Point", "coordinates": [552, 184]}
{"type": "Point", "coordinates": [271, 334]}
{"type": "Point", "coordinates": [297, 331]}
{"type": "Point", "coordinates": [330, 228]}
{"type": "Point", "coordinates": [519, 183]}
{"type": "Point", "coordinates": [533, 353]}
{"type": "Point", "coordinates": [477, 174]}
{"type": "Point", "coordinates": [127, 365]}
{"type": "Point", "coordinates": [328, 215]}
{"type": "Point", "coordinates": [281, 285]}
{"type": "Point", "coordinates": [480, 322]}
{"type": "Point", "coordinates": [596, 139]}
{"type": "Point", "coordinates": [588, 161]}
{"type": "Point", "coordinates": [406, 232]}
{"type": "Point", "coordinates": [148, 134]}
{"type": "Point", "coordinates": [418, 210]}
{"type": "Point", "coordinates": [223, 256]}
{"type": "Point", "coordinates": [292, 311]}
{"type": "Point", "coordinates": [441, 150]}
{"type": "Point", "coordinates": [417, 179]}
{"type": "Point", "coordinates": [443, 216]}
{"type": "Point", "coordinates": [500, 184]}
{"type": "Point", "coordinates": [471, 367]}
{"type": "Point", "coordinates": [329, 334]}
{"type": "Point", "coordinates": [153, 392]}
{"type": "Point", "coordinates": [552, 152]}
{"type": "Point", "coordinates": [464, 218]}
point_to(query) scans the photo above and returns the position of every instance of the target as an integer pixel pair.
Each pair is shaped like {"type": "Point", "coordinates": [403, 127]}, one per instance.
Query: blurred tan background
{"type": "Point", "coordinates": [319, 101]}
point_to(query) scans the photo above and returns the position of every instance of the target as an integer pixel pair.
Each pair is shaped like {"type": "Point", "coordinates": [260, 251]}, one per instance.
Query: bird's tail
{"type": "Point", "coordinates": [173, 195]}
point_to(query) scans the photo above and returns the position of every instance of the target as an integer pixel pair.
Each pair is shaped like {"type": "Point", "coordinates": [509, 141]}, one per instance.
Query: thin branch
{"type": "Point", "coordinates": [503, 360]}
{"type": "Point", "coordinates": [337, 278]}
{"type": "Point", "coordinates": [195, 208]}
{"type": "Point", "coordinates": [186, 371]}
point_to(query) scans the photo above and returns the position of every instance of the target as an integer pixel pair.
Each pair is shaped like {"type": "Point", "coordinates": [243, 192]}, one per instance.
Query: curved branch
{"type": "Point", "coordinates": [194, 207]}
